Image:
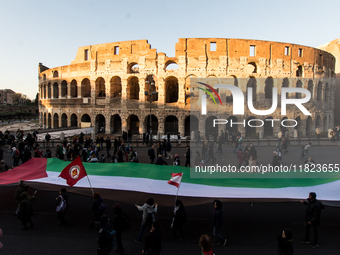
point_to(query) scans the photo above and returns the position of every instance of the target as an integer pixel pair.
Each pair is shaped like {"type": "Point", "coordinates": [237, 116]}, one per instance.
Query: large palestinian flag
{"type": "Point", "coordinates": [138, 181]}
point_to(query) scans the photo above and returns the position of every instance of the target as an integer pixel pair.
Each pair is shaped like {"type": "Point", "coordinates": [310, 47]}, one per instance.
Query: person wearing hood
{"type": "Point", "coordinates": [22, 187]}
{"type": "Point", "coordinates": [26, 210]}
{"type": "Point", "coordinates": [285, 243]}
{"type": "Point", "coordinates": [312, 219]}
{"type": "Point", "coordinates": [106, 235]}
{"type": "Point", "coordinates": [149, 209]}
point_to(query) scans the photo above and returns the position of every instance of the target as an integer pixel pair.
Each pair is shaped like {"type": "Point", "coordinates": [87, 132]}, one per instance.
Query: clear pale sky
{"type": "Point", "coordinates": [51, 31]}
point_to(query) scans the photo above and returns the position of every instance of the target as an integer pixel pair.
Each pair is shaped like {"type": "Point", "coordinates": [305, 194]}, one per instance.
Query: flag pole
{"type": "Point", "coordinates": [173, 218]}
{"type": "Point", "coordinates": [89, 183]}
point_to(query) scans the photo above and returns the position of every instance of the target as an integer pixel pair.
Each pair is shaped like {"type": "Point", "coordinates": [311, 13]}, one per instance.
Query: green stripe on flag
{"type": "Point", "coordinates": [156, 172]}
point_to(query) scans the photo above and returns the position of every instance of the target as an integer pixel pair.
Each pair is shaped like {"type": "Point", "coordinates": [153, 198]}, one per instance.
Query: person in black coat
{"type": "Point", "coordinates": [312, 219]}
{"type": "Point", "coordinates": [285, 243]}
{"type": "Point", "coordinates": [160, 160]}
{"type": "Point", "coordinates": [105, 239]}
{"type": "Point", "coordinates": [218, 222]}
{"type": "Point", "coordinates": [179, 218]}
{"type": "Point", "coordinates": [61, 215]}
{"type": "Point", "coordinates": [151, 154]}
{"type": "Point", "coordinates": [120, 224]}
{"type": "Point", "coordinates": [187, 156]}
{"type": "Point", "coordinates": [97, 213]}
{"type": "Point", "coordinates": [153, 242]}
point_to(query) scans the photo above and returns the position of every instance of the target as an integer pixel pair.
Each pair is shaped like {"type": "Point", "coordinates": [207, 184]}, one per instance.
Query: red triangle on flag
{"type": "Point", "coordinates": [73, 172]}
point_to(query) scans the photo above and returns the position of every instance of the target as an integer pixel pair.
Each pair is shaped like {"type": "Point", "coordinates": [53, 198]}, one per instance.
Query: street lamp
{"type": "Point", "coordinates": [151, 83]}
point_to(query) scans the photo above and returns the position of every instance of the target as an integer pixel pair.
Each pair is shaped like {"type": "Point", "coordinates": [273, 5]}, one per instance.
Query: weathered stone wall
{"type": "Point", "coordinates": [103, 84]}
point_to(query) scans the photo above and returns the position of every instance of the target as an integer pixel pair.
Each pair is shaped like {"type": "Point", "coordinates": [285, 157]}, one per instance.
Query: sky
{"type": "Point", "coordinates": [50, 32]}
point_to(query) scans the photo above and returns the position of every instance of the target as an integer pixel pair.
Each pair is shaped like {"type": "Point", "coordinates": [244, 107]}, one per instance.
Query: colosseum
{"type": "Point", "coordinates": [105, 85]}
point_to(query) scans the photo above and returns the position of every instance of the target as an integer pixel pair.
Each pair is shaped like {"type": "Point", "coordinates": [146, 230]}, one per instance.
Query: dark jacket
{"type": "Point", "coordinates": [26, 209]}
{"type": "Point", "coordinates": [151, 153]}
{"type": "Point", "coordinates": [160, 161]}
{"type": "Point", "coordinates": [104, 240]}
{"type": "Point", "coordinates": [22, 188]}
{"type": "Point", "coordinates": [180, 216]}
{"type": "Point", "coordinates": [275, 161]}
{"type": "Point", "coordinates": [218, 217]}
{"type": "Point", "coordinates": [313, 211]}
{"type": "Point", "coordinates": [153, 244]}
{"type": "Point", "coordinates": [285, 246]}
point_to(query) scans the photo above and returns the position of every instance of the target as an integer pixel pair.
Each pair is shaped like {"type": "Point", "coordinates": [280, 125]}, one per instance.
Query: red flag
{"type": "Point", "coordinates": [73, 172]}
{"type": "Point", "coordinates": [176, 179]}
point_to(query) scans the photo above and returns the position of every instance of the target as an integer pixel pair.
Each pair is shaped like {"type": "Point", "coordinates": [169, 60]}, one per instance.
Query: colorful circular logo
{"type": "Point", "coordinates": [74, 172]}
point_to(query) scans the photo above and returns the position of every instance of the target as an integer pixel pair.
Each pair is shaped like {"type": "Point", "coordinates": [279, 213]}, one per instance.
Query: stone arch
{"type": "Point", "coordinates": [250, 130]}
{"type": "Point", "coordinates": [44, 119]}
{"type": "Point", "coordinates": [55, 90]}
{"type": "Point", "coordinates": [319, 92]}
{"type": "Point", "coordinates": [100, 87]}
{"type": "Point", "coordinates": [74, 120]}
{"type": "Point", "coordinates": [298, 85]}
{"type": "Point", "coordinates": [64, 120]}
{"type": "Point", "coordinates": [63, 88]}
{"type": "Point", "coordinates": [74, 91]}
{"type": "Point", "coordinates": [133, 87]}
{"type": "Point", "coordinates": [133, 124]}
{"type": "Point", "coordinates": [299, 126]}
{"type": "Point", "coordinates": [171, 124]}
{"type": "Point", "coordinates": [311, 88]}
{"type": "Point", "coordinates": [133, 67]}
{"type": "Point", "coordinates": [268, 90]}
{"type": "Point", "coordinates": [85, 118]}
{"type": "Point", "coordinates": [229, 96]}
{"type": "Point", "coordinates": [209, 128]}
{"type": "Point", "coordinates": [251, 84]}
{"type": "Point", "coordinates": [299, 71]}
{"type": "Point", "coordinates": [309, 127]}
{"type": "Point", "coordinates": [55, 120]}
{"type": "Point", "coordinates": [282, 128]}
{"type": "Point", "coordinates": [154, 120]}
{"type": "Point", "coordinates": [191, 123]}
{"type": "Point", "coordinates": [267, 127]}
{"type": "Point", "coordinates": [150, 87]}
{"type": "Point", "coordinates": [115, 87]}
{"type": "Point", "coordinates": [285, 83]}
{"type": "Point", "coordinates": [49, 120]}
{"type": "Point", "coordinates": [190, 92]}
{"type": "Point", "coordinates": [49, 91]}
{"type": "Point", "coordinates": [318, 122]}
{"type": "Point", "coordinates": [231, 128]}
{"type": "Point", "coordinates": [85, 88]}
{"type": "Point", "coordinates": [116, 124]}
{"type": "Point", "coordinates": [252, 68]}
{"type": "Point", "coordinates": [327, 93]}
{"type": "Point", "coordinates": [325, 124]}
{"type": "Point", "coordinates": [100, 124]}
{"type": "Point", "coordinates": [171, 89]}
{"type": "Point", "coordinates": [55, 74]}
{"type": "Point", "coordinates": [171, 65]}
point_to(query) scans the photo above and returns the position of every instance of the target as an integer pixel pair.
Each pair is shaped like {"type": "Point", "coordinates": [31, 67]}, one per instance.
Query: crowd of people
{"type": "Point", "coordinates": [111, 228]}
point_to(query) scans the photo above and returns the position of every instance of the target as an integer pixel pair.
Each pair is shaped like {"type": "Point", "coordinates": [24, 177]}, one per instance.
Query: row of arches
{"type": "Point", "coordinates": [191, 123]}
{"type": "Point", "coordinates": [73, 90]}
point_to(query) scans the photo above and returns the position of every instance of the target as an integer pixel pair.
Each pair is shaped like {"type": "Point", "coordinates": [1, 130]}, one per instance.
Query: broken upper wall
{"type": "Point", "coordinates": [334, 48]}
{"type": "Point", "coordinates": [113, 54]}
{"type": "Point", "coordinates": [232, 56]}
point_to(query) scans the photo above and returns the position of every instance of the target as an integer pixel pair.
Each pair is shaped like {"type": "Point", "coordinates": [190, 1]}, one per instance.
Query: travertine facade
{"type": "Point", "coordinates": [104, 87]}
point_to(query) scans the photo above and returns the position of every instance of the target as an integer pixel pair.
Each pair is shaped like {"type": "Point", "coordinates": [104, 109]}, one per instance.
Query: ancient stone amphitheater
{"type": "Point", "coordinates": [105, 85]}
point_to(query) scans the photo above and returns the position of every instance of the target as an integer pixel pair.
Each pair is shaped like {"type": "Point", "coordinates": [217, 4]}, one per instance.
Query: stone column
{"type": "Point", "coordinates": [161, 127]}
{"type": "Point", "coordinates": [201, 125]}
{"type": "Point", "coordinates": [68, 124]}
{"type": "Point", "coordinates": [79, 90]}
{"type": "Point", "coordinates": [60, 122]}
{"type": "Point", "coordinates": [181, 91]}
{"type": "Point", "coordinates": [124, 123]}
{"type": "Point", "coordinates": [142, 86]}
{"type": "Point", "coordinates": [125, 93]}
{"type": "Point", "coordinates": [93, 93]}
{"type": "Point", "coordinates": [181, 125]}
{"type": "Point", "coordinates": [59, 89]}
{"type": "Point", "coordinates": [161, 91]}
{"type": "Point", "coordinates": [68, 86]}
{"type": "Point", "coordinates": [108, 124]}
{"type": "Point", "coordinates": [142, 124]}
